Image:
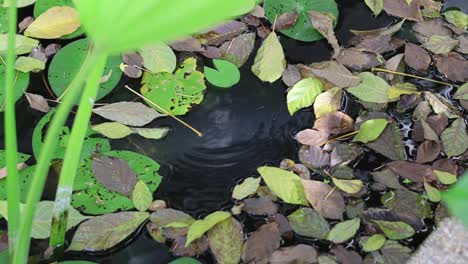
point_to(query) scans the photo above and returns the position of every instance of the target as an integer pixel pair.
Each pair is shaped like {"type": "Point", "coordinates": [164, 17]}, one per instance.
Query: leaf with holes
{"type": "Point", "coordinates": [225, 75]}
{"type": "Point", "coordinates": [303, 94]}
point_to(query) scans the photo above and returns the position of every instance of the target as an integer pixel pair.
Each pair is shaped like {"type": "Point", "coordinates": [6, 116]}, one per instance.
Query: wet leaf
{"type": "Point", "coordinates": [375, 5]}
{"type": "Point", "coordinates": [373, 243]}
{"type": "Point", "coordinates": [113, 130]}
{"type": "Point", "coordinates": [344, 153]}
{"type": "Point", "coordinates": [225, 75]}
{"type": "Point", "coordinates": [260, 206]}
{"type": "Point", "coordinates": [239, 49]}
{"type": "Point", "coordinates": [328, 102]}
{"type": "Point", "coordinates": [344, 231]}
{"type": "Point", "coordinates": [284, 184]}
{"type": "Point", "coordinates": [115, 174]}
{"type": "Point", "coordinates": [395, 91]}
{"type": "Point", "coordinates": [395, 230]}
{"type": "Point", "coordinates": [456, 18]}
{"type": "Point", "coordinates": [346, 256]}
{"type": "Point", "coordinates": [221, 33]}
{"type": "Point", "coordinates": [395, 63]}
{"type": "Point", "coordinates": [248, 187]}
{"type": "Point", "coordinates": [324, 23]}
{"type": "Point", "coordinates": [196, 248]}
{"type": "Point", "coordinates": [29, 64]}
{"type": "Point", "coordinates": [307, 222]}
{"type": "Point", "coordinates": [445, 177]}
{"type": "Point", "coordinates": [142, 197]}
{"type": "Point", "coordinates": [440, 44]}
{"type": "Point", "coordinates": [225, 240]}
{"type": "Point", "coordinates": [152, 133]}
{"type": "Point", "coordinates": [412, 171]}
{"type": "Point", "coordinates": [167, 216]}
{"type": "Point", "coordinates": [334, 73]}
{"type": "Point", "coordinates": [286, 21]}
{"type": "Point", "coordinates": [128, 113]}
{"type": "Point", "coordinates": [454, 138]}
{"type": "Point", "coordinates": [393, 252]}
{"type": "Point", "coordinates": [270, 61]}
{"type": "Point", "coordinates": [303, 94]}
{"type": "Point", "coordinates": [406, 206]}
{"type": "Point", "coordinates": [425, 29]}
{"type": "Point", "coordinates": [300, 253]}
{"type": "Point", "coordinates": [200, 227]}
{"type": "Point", "coordinates": [400, 8]}
{"type": "Point", "coordinates": [187, 44]}
{"type": "Point", "coordinates": [311, 137]}
{"type": "Point", "coordinates": [23, 44]}
{"type": "Point", "coordinates": [158, 57]}
{"type": "Point", "coordinates": [348, 186]}
{"type": "Point", "coordinates": [54, 23]}
{"type": "Point", "coordinates": [370, 130]}
{"type": "Point", "coordinates": [331, 207]}
{"type": "Point", "coordinates": [37, 102]}
{"type": "Point", "coordinates": [453, 65]}
{"type": "Point", "coordinates": [385, 178]}
{"type": "Point", "coordinates": [462, 92]}
{"type": "Point", "coordinates": [314, 157]}
{"type": "Point", "coordinates": [428, 151]}
{"type": "Point", "coordinates": [291, 75]}
{"type": "Point", "coordinates": [185, 260]}
{"type": "Point", "coordinates": [372, 89]}
{"type": "Point", "coordinates": [334, 123]}
{"type": "Point", "coordinates": [440, 105]}
{"type": "Point", "coordinates": [261, 244]}
{"type": "Point", "coordinates": [359, 60]}
{"type": "Point", "coordinates": [433, 193]}
{"type": "Point", "coordinates": [105, 231]}
{"type": "Point", "coordinates": [416, 57]}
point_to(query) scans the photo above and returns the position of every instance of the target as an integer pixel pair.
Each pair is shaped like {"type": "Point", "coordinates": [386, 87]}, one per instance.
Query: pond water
{"type": "Point", "coordinates": [244, 127]}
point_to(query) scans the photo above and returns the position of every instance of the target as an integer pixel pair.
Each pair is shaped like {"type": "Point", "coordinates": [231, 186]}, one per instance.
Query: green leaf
{"type": "Point", "coordinates": [3, 19]}
{"type": "Point", "coordinates": [303, 94]}
{"type": "Point", "coordinates": [395, 91]}
{"type": "Point", "coordinates": [328, 102]}
{"type": "Point", "coordinates": [372, 89]}
{"type": "Point", "coordinates": [462, 92]}
{"type": "Point", "coordinates": [285, 184]}
{"type": "Point", "coordinates": [373, 243]}
{"type": "Point", "coordinates": [456, 198]}
{"type": "Point", "coordinates": [43, 5]}
{"type": "Point", "coordinates": [158, 57]}
{"type": "Point", "coordinates": [152, 133]}
{"type": "Point", "coordinates": [303, 29]}
{"type": "Point", "coordinates": [375, 5]}
{"type": "Point", "coordinates": [348, 186]}
{"type": "Point", "coordinates": [19, 3]}
{"type": "Point", "coordinates": [185, 260]}
{"type": "Point", "coordinates": [307, 222]}
{"type": "Point", "coordinates": [199, 227]}
{"type": "Point", "coordinates": [25, 179]}
{"type": "Point", "coordinates": [225, 75]}
{"type": "Point", "coordinates": [344, 230]}
{"type": "Point", "coordinates": [67, 63]}
{"type": "Point", "coordinates": [395, 230]}
{"type": "Point", "coordinates": [445, 177]}
{"type": "Point", "coordinates": [270, 62]}
{"type": "Point", "coordinates": [23, 44]}
{"type": "Point", "coordinates": [456, 18]}
{"type": "Point", "coordinates": [113, 130]}
{"type": "Point", "coordinates": [21, 84]}
{"type": "Point", "coordinates": [433, 194]}
{"type": "Point", "coordinates": [371, 130]}
{"type": "Point", "coordinates": [440, 44]}
{"type": "Point", "coordinates": [142, 197]}
{"type": "Point", "coordinates": [105, 231]}
{"type": "Point", "coordinates": [188, 17]}
{"type": "Point", "coordinates": [175, 93]}
{"type": "Point", "coordinates": [248, 187]}
{"type": "Point", "coordinates": [454, 138]}
{"type": "Point", "coordinates": [225, 240]}
{"type": "Point", "coordinates": [27, 64]}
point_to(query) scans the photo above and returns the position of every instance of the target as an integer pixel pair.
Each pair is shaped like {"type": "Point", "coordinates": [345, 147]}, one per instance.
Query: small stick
{"type": "Point", "coordinates": [340, 137]}
{"type": "Point", "coordinates": [329, 193]}
{"type": "Point", "coordinates": [410, 75]}
{"type": "Point", "coordinates": [165, 111]}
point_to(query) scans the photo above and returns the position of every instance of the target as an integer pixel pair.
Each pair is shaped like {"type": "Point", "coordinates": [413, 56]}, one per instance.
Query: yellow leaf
{"type": "Point", "coordinates": [348, 186]}
{"type": "Point", "coordinates": [54, 23]}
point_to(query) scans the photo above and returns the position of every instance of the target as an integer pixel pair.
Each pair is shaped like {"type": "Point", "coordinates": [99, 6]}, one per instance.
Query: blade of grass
{"type": "Point", "coordinates": [10, 134]}
{"type": "Point", "coordinates": [73, 152]}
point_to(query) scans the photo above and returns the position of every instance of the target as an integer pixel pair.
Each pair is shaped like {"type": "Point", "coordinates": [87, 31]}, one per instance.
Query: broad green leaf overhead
{"type": "Point", "coordinates": [54, 23]}
{"type": "Point", "coordinates": [199, 227]}
{"type": "Point", "coordinates": [285, 184]}
{"type": "Point", "coordinates": [372, 89]}
{"type": "Point", "coordinates": [158, 57]}
{"type": "Point", "coordinates": [23, 44]}
{"type": "Point", "coordinates": [115, 29]}
{"type": "Point", "coordinates": [371, 130]}
{"type": "Point", "coordinates": [270, 62]}
{"type": "Point", "coordinates": [303, 94]}
{"type": "Point", "coordinates": [225, 75]}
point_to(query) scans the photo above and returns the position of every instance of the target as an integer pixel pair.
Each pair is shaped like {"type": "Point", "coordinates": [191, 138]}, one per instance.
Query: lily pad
{"type": "Point", "coordinates": [226, 74]}
{"type": "Point", "coordinates": [303, 29]}
{"type": "Point", "coordinates": [21, 84]}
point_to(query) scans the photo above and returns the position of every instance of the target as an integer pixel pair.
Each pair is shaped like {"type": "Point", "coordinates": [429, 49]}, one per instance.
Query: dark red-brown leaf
{"type": "Point", "coordinates": [114, 174]}
{"type": "Point", "coordinates": [412, 171]}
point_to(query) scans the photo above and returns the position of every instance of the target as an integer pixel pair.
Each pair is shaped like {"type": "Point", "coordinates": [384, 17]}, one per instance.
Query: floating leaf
{"type": "Point", "coordinates": [152, 133]}
{"type": "Point", "coordinates": [302, 29]}
{"type": "Point", "coordinates": [387, 178]}
{"type": "Point", "coordinates": [221, 33]}
{"type": "Point", "coordinates": [453, 65]}
{"type": "Point", "coordinates": [370, 130]}
{"type": "Point", "coordinates": [54, 23]}
{"type": "Point", "coordinates": [200, 227]}
{"type": "Point", "coordinates": [395, 230]}
{"type": "Point", "coordinates": [239, 49]}
{"type": "Point", "coordinates": [23, 44]}
{"type": "Point", "coordinates": [42, 6]}
{"type": "Point", "coordinates": [433, 194]}
{"type": "Point", "coordinates": [158, 57]}
{"type": "Point", "coordinates": [394, 252]}
{"type": "Point", "coordinates": [28, 64]}
{"type": "Point", "coordinates": [328, 102]}
{"type": "Point", "coordinates": [462, 92]}
{"type": "Point", "coordinates": [372, 89]}
{"type": "Point", "coordinates": [269, 62]}
{"type": "Point", "coordinates": [166, 217]}
{"type": "Point", "coordinates": [303, 94]}
{"type": "Point", "coordinates": [344, 230]}
{"type": "Point", "coordinates": [261, 244]}
{"type": "Point", "coordinates": [344, 153]}
{"type": "Point", "coordinates": [417, 57]}
{"type": "Point", "coordinates": [113, 130]}
{"type": "Point", "coordinates": [445, 177]}
{"type": "Point", "coordinates": [440, 44]}
{"type": "Point", "coordinates": [373, 243]}
{"type": "Point", "coordinates": [226, 239]}
{"type": "Point", "coordinates": [358, 60]}
{"type": "Point", "coordinates": [225, 75]}
{"type": "Point", "coordinates": [314, 157]}
{"type": "Point", "coordinates": [185, 260]}
{"type": "Point", "coordinates": [401, 8]}
{"type": "Point", "coordinates": [456, 18]}
{"type": "Point", "coordinates": [375, 5]}
{"type": "Point", "coordinates": [413, 171]}
{"type": "Point", "coordinates": [115, 174]}
{"type": "Point", "coordinates": [37, 102]}
{"type": "Point", "coordinates": [248, 187]}
{"type": "Point", "coordinates": [300, 253]}
{"type": "Point", "coordinates": [334, 123]}
{"type": "Point", "coordinates": [395, 91]}
{"type": "Point", "coordinates": [260, 206]}
{"type": "Point", "coordinates": [324, 23]}
{"type": "Point", "coordinates": [348, 186]}
{"type": "Point", "coordinates": [428, 151]}
{"type": "Point", "coordinates": [311, 137]}
{"type": "Point", "coordinates": [454, 138]}
{"type": "Point", "coordinates": [105, 231]}
{"type": "Point", "coordinates": [284, 184]}
{"type": "Point", "coordinates": [128, 113]}
{"type": "Point", "coordinates": [291, 75]}
{"type": "Point", "coordinates": [307, 222]}
{"type": "Point", "coordinates": [142, 197]}
{"type": "Point", "coordinates": [286, 20]}
{"type": "Point", "coordinates": [316, 192]}
{"type": "Point", "coordinates": [334, 73]}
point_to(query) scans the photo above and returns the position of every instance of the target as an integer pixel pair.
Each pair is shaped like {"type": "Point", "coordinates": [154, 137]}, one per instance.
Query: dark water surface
{"type": "Point", "coordinates": [244, 127]}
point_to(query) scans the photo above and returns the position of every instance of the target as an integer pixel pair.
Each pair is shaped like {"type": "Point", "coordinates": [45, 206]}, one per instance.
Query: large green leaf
{"type": "Point", "coordinates": [226, 74]}
{"type": "Point", "coordinates": [107, 22]}
{"type": "Point", "coordinates": [303, 29]}
{"type": "Point", "coordinates": [372, 89]}
{"type": "Point", "coordinates": [373, 243]}
{"type": "Point", "coordinates": [344, 230]}
{"type": "Point", "coordinates": [307, 222]}
{"type": "Point", "coordinates": [21, 84]}
{"type": "Point", "coordinates": [270, 62]}
{"type": "Point", "coordinates": [226, 239]}
{"type": "Point", "coordinates": [285, 184]}
{"type": "Point", "coordinates": [200, 227]}
{"type": "Point", "coordinates": [43, 5]}
{"type": "Point", "coordinates": [67, 63]}
{"type": "Point", "coordinates": [93, 198]}
{"type": "Point", "coordinates": [303, 94]}
{"type": "Point", "coordinates": [371, 130]}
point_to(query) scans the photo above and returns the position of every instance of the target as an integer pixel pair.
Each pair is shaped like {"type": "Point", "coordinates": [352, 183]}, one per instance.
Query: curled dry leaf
{"type": "Point", "coordinates": [412, 171]}
{"type": "Point", "coordinates": [286, 21]}
{"type": "Point", "coordinates": [291, 75]}
{"type": "Point", "coordinates": [400, 8]}
{"type": "Point", "coordinates": [416, 57]}
{"type": "Point", "coordinates": [37, 102]}
{"type": "Point", "coordinates": [312, 137]}
{"type": "Point", "coordinates": [324, 199]}
{"type": "Point", "coordinates": [261, 244]}
{"type": "Point", "coordinates": [358, 60]}
{"type": "Point", "coordinates": [323, 23]}
{"type": "Point", "coordinates": [453, 65]}
{"type": "Point", "coordinates": [334, 123]}
{"type": "Point", "coordinates": [115, 174]}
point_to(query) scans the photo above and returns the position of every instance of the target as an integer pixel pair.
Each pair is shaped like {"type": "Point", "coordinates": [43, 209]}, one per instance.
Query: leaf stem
{"type": "Point", "coordinates": [410, 75]}
{"type": "Point", "coordinates": [340, 137]}
{"type": "Point", "coordinates": [165, 111]}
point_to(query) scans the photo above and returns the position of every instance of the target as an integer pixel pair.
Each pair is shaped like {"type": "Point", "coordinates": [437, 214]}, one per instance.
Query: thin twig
{"type": "Point", "coordinates": [411, 75]}
{"type": "Point", "coordinates": [329, 193]}
{"type": "Point", "coordinates": [340, 137]}
{"type": "Point", "coordinates": [47, 86]}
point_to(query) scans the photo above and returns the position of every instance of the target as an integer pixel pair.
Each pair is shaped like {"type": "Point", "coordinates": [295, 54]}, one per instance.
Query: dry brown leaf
{"type": "Point", "coordinates": [335, 123]}
{"type": "Point", "coordinates": [417, 57]}
{"type": "Point", "coordinates": [327, 201]}
{"type": "Point", "coordinates": [428, 151]}
{"type": "Point", "coordinates": [286, 21]}
{"type": "Point", "coordinates": [358, 60]}
{"type": "Point", "coordinates": [412, 171]}
{"type": "Point", "coordinates": [453, 65]}
{"type": "Point", "coordinates": [400, 8]}
{"type": "Point", "coordinates": [324, 24]}
{"type": "Point", "coordinates": [291, 75]}
{"type": "Point", "coordinates": [425, 29]}
{"type": "Point", "coordinates": [261, 244]}
{"type": "Point", "coordinates": [37, 102]}
{"type": "Point", "coordinates": [311, 137]}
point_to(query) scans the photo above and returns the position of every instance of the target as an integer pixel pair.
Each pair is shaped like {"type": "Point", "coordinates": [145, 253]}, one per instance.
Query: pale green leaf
{"type": "Point", "coordinates": [113, 130]}
{"type": "Point", "coordinates": [285, 184]}
{"type": "Point", "coordinates": [440, 44]}
{"type": "Point", "coordinates": [54, 23]}
{"type": "Point", "coordinates": [396, 230]}
{"type": "Point", "coordinates": [28, 64]}
{"type": "Point", "coordinates": [152, 133]}
{"type": "Point", "coordinates": [372, 89]}
{"type": "Point", "coordinates": [446, 177]}
{"type": "Point", "coordinates": [225, 240]}
{"type": "Point", "coordinates": [433, 194]}
{"type": "Point", "coordinates": [158, 57]}
{"type": "Point", "coordinates": [462, 92]}
{"type": "Point", "coordinates": [270, 61]}
{"type": "Point", "coordinates": [373, 243]}
{"type": "Point", "coordinates": [199, 227]}
{"type": "Point", "coordinates": [344, 230]}
{"type": "Point", "coordinates": [142, 196]}
{"type": "Point", "coordinates": [395, 91]}
{"type": "Point", "coordinates": [454, 138]}
{"type": "Point", "coordinates": [128, 113]}
{"type": "Point", "coordinates": [456, 18]}
{"type": "Point", "coordinates": [248, 187]}
{"type": "Point", "coordinates": [375, 5]}
{"type": "Point", "coordinates": [185, 260]}
{"type": "Point", "coordinates": [371, 130]}
{"type": "Point", "coordinates": [23, 44]}
{"type": "Point", "coordinates": [303, 94]}
{"type": "Point", "coordinates": [348, 186]}
{"type": "Point", "coordinates": [328, 102]}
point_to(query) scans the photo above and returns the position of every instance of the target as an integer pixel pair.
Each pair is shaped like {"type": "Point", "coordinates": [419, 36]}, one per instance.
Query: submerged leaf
{"type": "Point", "coordinates": [269, 62]}
{"type": "Point", "coordinates": [54, 23]}
{"type": "Point", "coordinates": [200, 227]}
{"type": "Point", "coordinates": [373, 243]}
{"type": "Point", "coordinates": [344, 230]}
{"type": "Point", "coordinates": [303, 94]}
{"type": "Point", "coordinates": [284, 184]}
{"type": "Point", "coordinates": [115, 174]}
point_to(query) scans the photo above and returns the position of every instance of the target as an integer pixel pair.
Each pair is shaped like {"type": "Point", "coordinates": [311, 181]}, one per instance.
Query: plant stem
{"type": "Point", "coordinates": [73, 152]}
{"type": "Point", "coordinates": [10, 134]}
{"type": "Point", "coordinates": [43, 163]}
{"type": "Point", "coordinates": [340, 137]}
{"type": "Point", "coordinates": [409, 75]}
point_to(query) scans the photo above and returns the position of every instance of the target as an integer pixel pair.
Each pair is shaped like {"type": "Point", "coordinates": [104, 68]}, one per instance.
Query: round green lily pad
{"type": "Point", "coordinates": [225, 75]}
{"type": "Point", "coordinates": [91, 197]}
{"type": "Point", "coordinates": [21, 84]}
{"type": "Point", "coordinates": [43, 5]}
{"type": "Point", "coordinates": [303, 29]}
{"type": "Point", "coordinates": [67, 63]}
